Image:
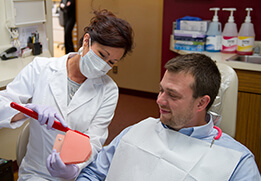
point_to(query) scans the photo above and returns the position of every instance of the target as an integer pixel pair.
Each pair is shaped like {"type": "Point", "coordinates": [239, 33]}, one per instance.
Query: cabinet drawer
{"type": "Point", "coordinates": [249, 81]}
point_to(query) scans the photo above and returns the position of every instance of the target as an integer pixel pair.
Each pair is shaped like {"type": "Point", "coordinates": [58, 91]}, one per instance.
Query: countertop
{"type": "Point", "coordinates": [10, 68]}
{"type": "Point", "coordinates": [221, 57]}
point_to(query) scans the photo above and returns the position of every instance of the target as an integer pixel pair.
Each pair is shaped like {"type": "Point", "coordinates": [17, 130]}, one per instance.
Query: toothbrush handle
{"type": "Point", "coordinates": [57, 125]}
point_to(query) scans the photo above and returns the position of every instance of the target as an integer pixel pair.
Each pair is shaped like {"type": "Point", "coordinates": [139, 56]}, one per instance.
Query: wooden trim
{"type": "Point", "coordinates": [138, 93]}
{"type": "Point", "coordinates": [249, 81]}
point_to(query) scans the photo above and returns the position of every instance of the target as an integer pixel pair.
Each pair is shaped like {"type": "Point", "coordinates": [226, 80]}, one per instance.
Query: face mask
{"type": "Point", "coordinates": [92, 66]}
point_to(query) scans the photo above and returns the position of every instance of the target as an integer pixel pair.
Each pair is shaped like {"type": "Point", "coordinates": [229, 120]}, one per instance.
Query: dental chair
{"type": "Point", "coordinates": [225, 104]}
{"type": "Point", "coordinates": [21, 145]}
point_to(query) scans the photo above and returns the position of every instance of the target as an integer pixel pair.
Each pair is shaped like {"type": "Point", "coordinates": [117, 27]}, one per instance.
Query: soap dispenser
{"type": "Point", "coordinates": [214, 35]}
{"type": "Point", "coordinates": [246, 36]}
{"type": "Point", "coordinates": [229, 34]}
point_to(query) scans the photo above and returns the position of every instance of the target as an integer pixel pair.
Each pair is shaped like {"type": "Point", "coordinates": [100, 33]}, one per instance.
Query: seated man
{"type": "Point", "coordinates": [183, 143]}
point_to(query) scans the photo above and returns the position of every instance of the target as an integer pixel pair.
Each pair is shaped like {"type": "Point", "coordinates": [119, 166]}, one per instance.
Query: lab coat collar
{"type": "Point", "coordinates": [84, 94]}
{"type": "Point", "coordinates": [58, 83]}
{"type": "Point", "coordinates": [59, 63]}
{"type": "Point", "coordinates": [58, 87]}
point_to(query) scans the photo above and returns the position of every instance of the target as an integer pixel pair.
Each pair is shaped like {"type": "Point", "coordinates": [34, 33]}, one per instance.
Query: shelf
{"type": "Point", "coordinates": [221, 57]}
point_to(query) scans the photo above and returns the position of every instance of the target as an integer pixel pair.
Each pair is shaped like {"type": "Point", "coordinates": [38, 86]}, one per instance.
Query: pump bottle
{"type": "Point", "coordinates": [214, 36]}
{"type": "Point", "coordinates": [246, 36]}
{"type": "Point", "coordinates": [229, 35]}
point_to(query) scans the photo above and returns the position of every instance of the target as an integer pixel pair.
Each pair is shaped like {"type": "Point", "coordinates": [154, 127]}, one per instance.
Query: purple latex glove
{"type": "Point", "coordinates": [46, 113]}
{"type": "Point", "coordinates": [57, 168]}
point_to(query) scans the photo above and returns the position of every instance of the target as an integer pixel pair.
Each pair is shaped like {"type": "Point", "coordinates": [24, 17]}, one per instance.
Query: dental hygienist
{"type": "Point", "coordinates": [75, 90]}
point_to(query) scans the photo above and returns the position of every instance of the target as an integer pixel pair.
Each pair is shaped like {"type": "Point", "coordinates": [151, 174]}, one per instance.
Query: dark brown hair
{"type": "Point", "coordinates": [203, 69]}
{"type": "Point", "coordinates": [108, 30]}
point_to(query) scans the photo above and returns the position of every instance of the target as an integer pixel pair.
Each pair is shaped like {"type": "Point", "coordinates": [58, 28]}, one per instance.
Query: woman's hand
{"type": "Point", "coordinates": [46, 115]}
{"type": "Point", "coordinates": [57, 168]}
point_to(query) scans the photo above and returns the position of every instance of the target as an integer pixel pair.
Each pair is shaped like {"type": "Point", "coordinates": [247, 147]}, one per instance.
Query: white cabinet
{"type": "Point", "coordinates": [17, 13]}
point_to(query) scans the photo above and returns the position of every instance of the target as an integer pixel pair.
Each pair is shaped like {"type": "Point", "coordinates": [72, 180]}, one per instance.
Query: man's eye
{"type": "Point", "coordinates": [111, 62]}
{"type": "Point", "coordinates": [173, 96]}
{"type": "Point", "coordinates": [170, 95]}
{"type": "Point", "coordinates": [102, 55]}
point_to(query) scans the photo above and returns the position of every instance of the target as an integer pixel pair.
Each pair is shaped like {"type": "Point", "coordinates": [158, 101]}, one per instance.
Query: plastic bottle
{"type": "Point", "coordinates": [246, 36]}
{"type": "Point", "coordinates": [229, 34]}
{"type": "Point", "coordinates": [214, 36]}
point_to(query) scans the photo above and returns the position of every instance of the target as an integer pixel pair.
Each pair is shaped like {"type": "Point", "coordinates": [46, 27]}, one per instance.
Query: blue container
{"type": "Point", "coordinates": [214, 34]}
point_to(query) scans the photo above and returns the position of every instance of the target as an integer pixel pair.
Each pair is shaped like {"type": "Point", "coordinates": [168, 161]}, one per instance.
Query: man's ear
{"type": "Point", "coordinates": [203, 102]}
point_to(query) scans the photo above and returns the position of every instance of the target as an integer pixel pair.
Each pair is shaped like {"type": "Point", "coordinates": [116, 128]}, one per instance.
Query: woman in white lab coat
{"type": "Point", "coordinates": [77, 86]}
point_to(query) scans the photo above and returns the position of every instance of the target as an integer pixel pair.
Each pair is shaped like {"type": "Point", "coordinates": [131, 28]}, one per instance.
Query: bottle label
{"type": "Point", "coordinates": [245, 43]}
{"type": "Point", "coordinates": [229, 43]}
{"type": "Point", "coordinates": [214, 43]}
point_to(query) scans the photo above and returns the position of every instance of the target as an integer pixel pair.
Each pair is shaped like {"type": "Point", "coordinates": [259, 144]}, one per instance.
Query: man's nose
{"type": "Point", "coordinates": [161, 99]}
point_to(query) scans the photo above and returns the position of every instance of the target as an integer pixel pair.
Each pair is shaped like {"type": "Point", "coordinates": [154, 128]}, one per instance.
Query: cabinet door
{"type": "Point", "coordinates": [248, 130]}
{"type": "Point", "coordinates": [24, 12]}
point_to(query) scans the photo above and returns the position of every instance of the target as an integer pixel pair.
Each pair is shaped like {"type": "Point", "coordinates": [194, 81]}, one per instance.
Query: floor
{"type": "Point", "coordinates": [58, 50]}
{"type": "Point", "coordinates": [15, 175]}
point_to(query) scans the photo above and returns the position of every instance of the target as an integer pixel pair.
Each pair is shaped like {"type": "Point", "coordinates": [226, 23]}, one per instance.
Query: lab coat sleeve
{"type": "Point", "coordinates": [98, 130]}
{"type": "Point", "coordinates": [98, 169]}
{"type": "Point", "coordinates": [20, 90]}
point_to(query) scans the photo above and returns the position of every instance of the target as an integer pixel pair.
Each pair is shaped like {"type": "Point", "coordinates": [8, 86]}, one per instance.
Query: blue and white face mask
{"type": "Point", "coordinates": [92, 66]}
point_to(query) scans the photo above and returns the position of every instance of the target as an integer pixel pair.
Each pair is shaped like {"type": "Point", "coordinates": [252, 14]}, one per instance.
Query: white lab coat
{"type": "Point", "coordinates": [44, 81]}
